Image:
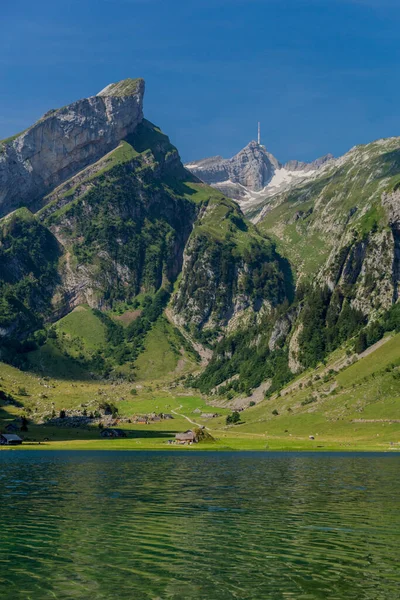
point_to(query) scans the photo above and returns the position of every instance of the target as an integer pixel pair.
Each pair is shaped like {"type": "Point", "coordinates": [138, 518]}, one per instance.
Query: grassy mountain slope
{"type": "Point", "coordinates": [166, 354]}
{"type": "Point", "coordinates": [309, 221]}
{"type": "Point", "coordinates": [355, 406]}
{"type": "Point", "coordinates": [84, 324]}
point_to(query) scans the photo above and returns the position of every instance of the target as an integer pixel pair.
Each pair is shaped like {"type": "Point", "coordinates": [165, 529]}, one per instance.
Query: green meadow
{"type": "Point", "coordinates": [345, 404]}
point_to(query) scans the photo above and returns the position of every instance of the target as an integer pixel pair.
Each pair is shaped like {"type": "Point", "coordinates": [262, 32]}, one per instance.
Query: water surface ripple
{"type": "Point", "coordinates": [187, 525]}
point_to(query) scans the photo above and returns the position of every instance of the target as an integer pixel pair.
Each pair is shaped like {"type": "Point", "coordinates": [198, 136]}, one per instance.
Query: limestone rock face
{"type": "Point", "coordinates": [282, 328]}
{"type": "Point", "coordinates": [65, 141]}
{"type": "Point", "coordinates": [253, 167]}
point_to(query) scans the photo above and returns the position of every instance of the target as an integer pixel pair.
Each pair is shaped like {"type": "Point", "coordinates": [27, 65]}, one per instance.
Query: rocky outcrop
{"type": "Point", "coordinates": [209, 295]}
{"type": "Point", "coordinates": [65, 141]}
{"type": "Point", "coordinates": [294, 350]}
{"type": "Point", "coordinates": [296, 165]}
{"type": "Point", "coordinates": [365, 267]}
{"type": "Point", "coordinates": [282, 328]}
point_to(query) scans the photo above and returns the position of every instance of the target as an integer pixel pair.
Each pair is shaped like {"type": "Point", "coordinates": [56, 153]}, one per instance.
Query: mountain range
{"type": "Point", "coordinates": [254, 271]}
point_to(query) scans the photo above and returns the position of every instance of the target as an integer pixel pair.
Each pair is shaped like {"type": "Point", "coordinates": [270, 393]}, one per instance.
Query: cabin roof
{"type": "Point", "coordinates": [113, 429]}
{"type": "Point", "coordinates": [188, 435]}
{"type": "Point", "coordinates": [11, 437]}
{"type": "Point", "coordinates": [12, 426]}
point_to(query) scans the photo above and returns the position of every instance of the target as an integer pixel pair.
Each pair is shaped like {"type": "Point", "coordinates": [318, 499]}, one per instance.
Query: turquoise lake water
{"type": "Point", "coordinates": [191, 525]}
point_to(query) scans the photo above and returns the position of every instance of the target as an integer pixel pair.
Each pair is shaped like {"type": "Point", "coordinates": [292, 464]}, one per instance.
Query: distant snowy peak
{"type": "Point", "coordinates": [252, 168]}
{"type": "Point", "coordinates": [253, 173]}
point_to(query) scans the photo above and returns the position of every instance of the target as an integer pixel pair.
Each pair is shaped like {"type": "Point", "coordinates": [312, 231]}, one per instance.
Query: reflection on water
{"type": "Point", "coordinates": [99, 525]}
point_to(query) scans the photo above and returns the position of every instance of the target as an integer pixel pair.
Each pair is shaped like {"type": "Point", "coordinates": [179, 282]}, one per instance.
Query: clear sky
{"type": "Point", "coordinates": [320, 75]}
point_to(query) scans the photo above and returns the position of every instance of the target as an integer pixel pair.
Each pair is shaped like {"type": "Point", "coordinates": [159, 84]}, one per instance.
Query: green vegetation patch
{"type": "Point", "coordinates": [29, 256]}
{"type": "Point", "coordinates": [83, 324]}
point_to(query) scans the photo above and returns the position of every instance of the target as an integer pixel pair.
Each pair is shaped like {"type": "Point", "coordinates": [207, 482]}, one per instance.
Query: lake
{"type": "Point", "coordinates": [191, 525]}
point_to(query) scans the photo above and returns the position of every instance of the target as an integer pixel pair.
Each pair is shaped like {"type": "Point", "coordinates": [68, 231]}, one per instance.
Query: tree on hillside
{"type": "Point", "coordinates": [361, 343]}
{"type": "Point", "coordinates": [233, 418]}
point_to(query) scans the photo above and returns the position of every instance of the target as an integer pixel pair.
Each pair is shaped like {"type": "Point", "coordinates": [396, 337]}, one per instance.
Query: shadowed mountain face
{"type": "Point", "coordinates": [252, 173]}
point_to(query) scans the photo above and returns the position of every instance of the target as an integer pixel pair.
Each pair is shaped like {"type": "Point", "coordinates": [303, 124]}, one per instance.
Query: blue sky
{"type": "Point", "coordinates": [321, 75]}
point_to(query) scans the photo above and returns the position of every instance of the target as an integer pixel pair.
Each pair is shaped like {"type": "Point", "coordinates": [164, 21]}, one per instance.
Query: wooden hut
{"type": "Point", "coordinates": [188, 437]}
{"type": "Point", "coordinates": [142, 420]}
{"type": "Point", "coordinates": [113, 433]}
{"type": "Point", "coordinates": [10, 439]}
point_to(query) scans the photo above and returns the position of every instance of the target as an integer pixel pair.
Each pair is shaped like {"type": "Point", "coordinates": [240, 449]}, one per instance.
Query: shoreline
{"type": "Point", "coordinates": [206, 448]}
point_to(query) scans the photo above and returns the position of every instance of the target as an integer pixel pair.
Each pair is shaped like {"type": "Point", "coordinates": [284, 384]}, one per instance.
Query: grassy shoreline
{"type": "Point", "coordinates": [220, 445]}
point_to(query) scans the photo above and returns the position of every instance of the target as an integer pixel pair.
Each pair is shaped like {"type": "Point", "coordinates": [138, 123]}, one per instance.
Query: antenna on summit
{"type": "Point", "coordinates": [259, 134]}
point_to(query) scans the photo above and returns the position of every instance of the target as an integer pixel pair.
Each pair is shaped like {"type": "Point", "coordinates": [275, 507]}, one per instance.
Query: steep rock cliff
{"type": "Point", "coordinates": [65, 141]}
{"type": "Point", "coordinates": [252, 167]}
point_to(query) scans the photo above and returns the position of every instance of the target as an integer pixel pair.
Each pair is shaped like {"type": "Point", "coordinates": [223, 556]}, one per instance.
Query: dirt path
{"type": "Point", "coordinates": [187, 418]}
{"type": "Point", "coordinates": [374, 347]}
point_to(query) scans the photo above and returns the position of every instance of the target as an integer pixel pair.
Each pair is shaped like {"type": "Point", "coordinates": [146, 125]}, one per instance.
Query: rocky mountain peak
{"type": "Point", "coordinates": [66, 140]}
{"type": "Point", "coordinates": [251, 168]}
{"type": "Point", "coordinates": [253, 172]}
